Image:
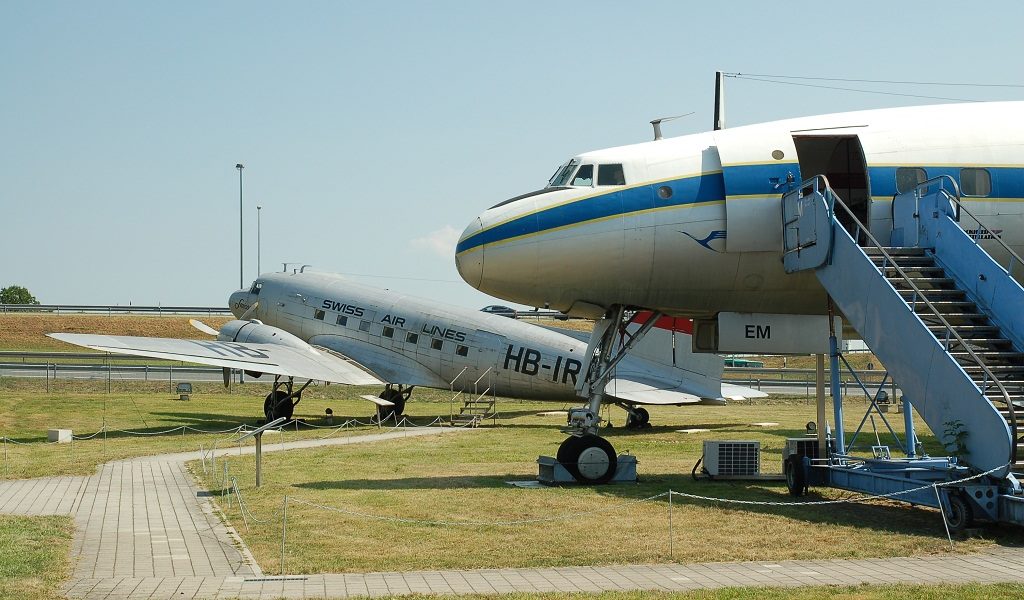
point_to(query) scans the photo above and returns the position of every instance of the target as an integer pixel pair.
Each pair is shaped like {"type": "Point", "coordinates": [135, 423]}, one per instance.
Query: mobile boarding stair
{"type": "Point", "coordinates": [947, 321]}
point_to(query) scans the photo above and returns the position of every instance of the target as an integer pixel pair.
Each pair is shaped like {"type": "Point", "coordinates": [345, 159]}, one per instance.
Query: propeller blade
{"type": "Point", "coordinates": [202, 327]}
{"type": "Point", "coordinates": [227, 376]}
{"type": "Point", "coordinates": [252, 309]}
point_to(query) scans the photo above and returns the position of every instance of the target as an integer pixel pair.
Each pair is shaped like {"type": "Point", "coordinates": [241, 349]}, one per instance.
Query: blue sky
{"type": "Point", "coordinates": [373, 132]}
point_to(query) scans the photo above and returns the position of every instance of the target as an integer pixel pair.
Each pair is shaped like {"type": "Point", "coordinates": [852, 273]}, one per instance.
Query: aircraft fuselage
{"type": "Point", "coordinates": [692, 225]}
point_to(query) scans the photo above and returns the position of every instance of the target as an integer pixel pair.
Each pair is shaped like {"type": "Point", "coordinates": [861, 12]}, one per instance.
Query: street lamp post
{"type": "Point", "coordinates": [241, 275]}
{"type": "Point", "coordinates": [258, 237]}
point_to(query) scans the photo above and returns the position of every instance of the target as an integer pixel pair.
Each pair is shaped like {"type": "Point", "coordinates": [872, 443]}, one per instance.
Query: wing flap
{"type": "Point", "coordinates": [265, 358]}
{"type": "Point", "coordinates": [648, 392]}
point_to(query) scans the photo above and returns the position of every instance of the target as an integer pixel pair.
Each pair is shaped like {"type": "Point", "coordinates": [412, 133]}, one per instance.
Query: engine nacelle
{"type": "Point", "coordinates": [255, 332]}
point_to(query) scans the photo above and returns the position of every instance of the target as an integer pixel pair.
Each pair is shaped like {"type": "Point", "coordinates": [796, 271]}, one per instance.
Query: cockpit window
{"type": "Point", "coordinates": [256, 287]}
{"type": "Point", "coordinates": [562, 175]}
{"type": "Point", "coordinates": [585, 176]}
{"type": "Point", "coordinates": [610, 175]}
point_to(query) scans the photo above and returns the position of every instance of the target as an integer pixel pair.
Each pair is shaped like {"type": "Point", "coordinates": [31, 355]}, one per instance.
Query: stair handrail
{"type": "Point", "coordinates": [451, 384]}
{"type": "Point", "coordinates": [954, 197]}
{"type": "Point", "coordinates": [482, 375]}
{"type": "Point", "coordinates": [831, 198]}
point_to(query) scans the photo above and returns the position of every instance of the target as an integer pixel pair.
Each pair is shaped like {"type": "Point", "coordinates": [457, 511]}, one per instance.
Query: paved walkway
{"type": "Point", "coordinates": [1002, 565]}
{"type": "Point", "coordinates": [145, 530]}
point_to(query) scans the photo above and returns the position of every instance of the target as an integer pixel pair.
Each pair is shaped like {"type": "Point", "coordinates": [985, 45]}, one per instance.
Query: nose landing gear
{"type": "Point", "coordinates": [590, 459]}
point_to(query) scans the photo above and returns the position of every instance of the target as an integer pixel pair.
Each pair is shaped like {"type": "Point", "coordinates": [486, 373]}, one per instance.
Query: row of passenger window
{"type": "Point", "coordinates": [973, 181]}
{"type": "Point", "coordinates": [389, 332]}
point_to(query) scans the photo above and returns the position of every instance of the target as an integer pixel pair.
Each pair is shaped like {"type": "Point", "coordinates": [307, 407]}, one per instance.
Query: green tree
{"type": "Point", "coordinates": [16, 294]}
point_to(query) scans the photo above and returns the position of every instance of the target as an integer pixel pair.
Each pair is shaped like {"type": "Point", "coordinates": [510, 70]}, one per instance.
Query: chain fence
{"type": "Point", "coordinates": [280, 516]}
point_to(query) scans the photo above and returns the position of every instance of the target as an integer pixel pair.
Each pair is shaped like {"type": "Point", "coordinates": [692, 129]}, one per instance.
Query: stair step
{"type": "Point", "coordinates": [996, 369]}
{"type": "Point", "coordinates": [955, 316]}
{"type": "Point", "coordinates": [922, 282]}
{"type": "Point", "coordinates": [990, 354]}
{"type": "Point", "coordinates": [932, 294]}
{"type": "Point", "coordinates": [943, 305]}
{"type": "Point", "coordinates": [894, 251]}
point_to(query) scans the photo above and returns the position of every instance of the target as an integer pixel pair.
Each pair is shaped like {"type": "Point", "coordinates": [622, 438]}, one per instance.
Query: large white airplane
{"type": "Point", "coordinates": [320, 326]}
{"type": "Point", "coordinates": [693, 226]}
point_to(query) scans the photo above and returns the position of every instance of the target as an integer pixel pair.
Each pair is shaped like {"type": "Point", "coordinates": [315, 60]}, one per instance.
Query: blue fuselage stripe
{"type": "Point", "coordinates": [1007, 182]}
{"type": "Point", "coordinates": [688, 190]}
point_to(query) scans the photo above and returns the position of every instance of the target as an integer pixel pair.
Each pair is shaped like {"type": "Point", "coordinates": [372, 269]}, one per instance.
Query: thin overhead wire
{"type": "Point", "coordinates": [883, 81]}
{"type": "Point", "coordinates": [845, 89]}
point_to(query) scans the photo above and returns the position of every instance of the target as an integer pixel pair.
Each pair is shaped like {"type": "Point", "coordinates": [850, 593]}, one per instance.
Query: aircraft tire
{"type": "Point", "coordinates": [638, 419]}
{"type": "Point", "coordinates": [394, 396]}
{"type": "Point", "coordinates": [796, 480]}
{"type": "Point", "coordinates": [590, 459]}
{"type": "Point", "coordinates": [278, 405]}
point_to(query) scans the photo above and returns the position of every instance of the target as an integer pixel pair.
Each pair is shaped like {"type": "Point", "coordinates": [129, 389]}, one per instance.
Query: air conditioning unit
{"type": "Point", "coordinates": [804, 446]}
{"type": "Point", "coordinates": [732, 458]}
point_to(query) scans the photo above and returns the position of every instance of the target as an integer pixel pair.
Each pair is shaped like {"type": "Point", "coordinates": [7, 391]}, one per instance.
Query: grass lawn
{"type": "Point", "coordinates": [34, 556]}
{"type": "Point", "coordinates": [1006, 591]}
{"type": "Point", "coordinates": [461, 478]}
{"type": "Point", "coordinates": [27, 411]}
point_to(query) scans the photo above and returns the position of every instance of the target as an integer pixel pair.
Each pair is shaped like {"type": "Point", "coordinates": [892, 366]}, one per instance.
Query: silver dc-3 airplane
{"type": "Point", "coordinates": [318, 326]}
{"type": "Point", "coordinates": [693, 226]}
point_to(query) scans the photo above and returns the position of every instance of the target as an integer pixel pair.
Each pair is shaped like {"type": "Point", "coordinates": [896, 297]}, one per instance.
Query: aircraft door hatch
{"type": "Point", "coordinates": [756, 171]}
{"type": "Point", "coordinates": [840, 158]}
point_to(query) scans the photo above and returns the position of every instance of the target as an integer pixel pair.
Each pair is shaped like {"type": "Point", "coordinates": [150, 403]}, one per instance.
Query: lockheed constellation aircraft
{"type": "Point", "coordinates": [693, 226]}
{"type": "Point", "coordinates": [319, 326]}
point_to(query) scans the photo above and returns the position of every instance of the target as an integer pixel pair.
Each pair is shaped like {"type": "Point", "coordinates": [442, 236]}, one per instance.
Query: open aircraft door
{"type": "Point", "coordinates": [758, 167]}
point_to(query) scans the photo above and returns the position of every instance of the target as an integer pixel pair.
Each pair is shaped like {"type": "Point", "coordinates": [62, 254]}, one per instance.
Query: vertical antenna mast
{"type": "Point", "coordinates": [719, 100]}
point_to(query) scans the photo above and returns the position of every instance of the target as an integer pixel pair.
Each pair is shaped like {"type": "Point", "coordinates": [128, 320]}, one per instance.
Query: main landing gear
{"type": "Point", "coordinates": [637, 417]}
{"type": "Point", "coordinates": [279, 402]}
{"type": "Point", "coordinates": [396, 394]}
{"type": "Point", "coordinates": [588, 457]}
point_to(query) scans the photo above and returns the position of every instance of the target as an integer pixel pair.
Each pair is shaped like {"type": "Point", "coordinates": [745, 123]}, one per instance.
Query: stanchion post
{"type": "Point", "coordinates": [284, 530]}
{"type": "Point", "coordinates": [6, 469]}
{"type": "Point", "coordinates": [671, 537]}
{"type": "Point", "coordinates": [259, 460]}
{"type": "Point", "coordinates": [942, 511]}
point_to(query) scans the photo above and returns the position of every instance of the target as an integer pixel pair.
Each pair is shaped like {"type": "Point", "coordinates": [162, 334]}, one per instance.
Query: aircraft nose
{"type": "Point", "coordinates": [238, 303]}
{"type": "Point", "coordinates": [469, 254]}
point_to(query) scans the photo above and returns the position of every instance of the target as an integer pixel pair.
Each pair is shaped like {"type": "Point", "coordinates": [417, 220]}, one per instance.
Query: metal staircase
{"type": "Point", "coordinates": [943, 316]}
{"type": "Point", "coordinates": [476, 408]}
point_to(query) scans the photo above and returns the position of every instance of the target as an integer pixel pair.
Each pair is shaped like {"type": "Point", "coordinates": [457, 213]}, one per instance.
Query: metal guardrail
{"type": "Point", "coordinates": [111, 310]}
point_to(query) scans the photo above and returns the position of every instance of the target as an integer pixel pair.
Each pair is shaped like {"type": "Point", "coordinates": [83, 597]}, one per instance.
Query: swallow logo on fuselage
{"type": "Point", "coordinates": [706, 242]}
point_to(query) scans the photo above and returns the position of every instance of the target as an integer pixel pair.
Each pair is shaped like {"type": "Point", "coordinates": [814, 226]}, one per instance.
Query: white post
{"type": "Point", "coordinates": [284, 530]}
{"type": "Point", "coordinates": [670, 536]}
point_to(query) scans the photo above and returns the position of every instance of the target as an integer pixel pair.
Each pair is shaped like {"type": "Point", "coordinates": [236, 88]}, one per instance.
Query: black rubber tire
{"type": "Point", "coordinates": [638, 419]}
{"type": "Point", "coordinates": [568, 451]}
{"type": "Point", "coordinates": [959, 516]}
{"type": "Point", "coordinates": [278, 405]}
{"type": "Point", "coordinates": [590, 459]}
{"type": "Point", "coordinates": [395, 397]}
{"type": "Point", "coordinates": [796, 479]}
{"type": "Point", "coordinates": [254, 374]}
{"type": "Point", "coordinates": [643, 417]}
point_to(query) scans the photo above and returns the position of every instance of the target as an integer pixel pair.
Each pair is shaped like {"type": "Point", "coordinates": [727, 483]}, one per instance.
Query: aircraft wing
{"type": "Point", "coordinates": [275, 359]}
{"type": "Point", "coordinates": [390, 365]}
{"type": "Point", "coordinates": [739, 392]}
{"type": "Point", "coordinates": [648, 391]}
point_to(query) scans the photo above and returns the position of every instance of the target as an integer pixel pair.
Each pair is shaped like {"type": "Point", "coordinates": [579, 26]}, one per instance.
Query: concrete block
{"type": "Point", "coordinates": [61, 436]}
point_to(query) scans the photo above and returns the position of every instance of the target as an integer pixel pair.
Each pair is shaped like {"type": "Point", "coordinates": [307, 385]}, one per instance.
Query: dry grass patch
{"type": "Point", "coordinates": [26, 412]}
{"type": "Point", "coordinates": [461, 479]}
{"type": "Point", "coordinates": [28, 331]}
{"type": "Point", "coordinates": [999, 591]}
